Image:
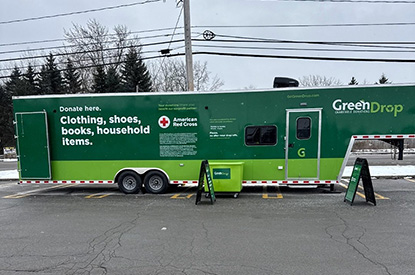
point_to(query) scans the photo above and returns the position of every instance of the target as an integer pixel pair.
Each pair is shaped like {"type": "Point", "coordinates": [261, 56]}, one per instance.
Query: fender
{"type": "Point", "coordinates": [140, 171]}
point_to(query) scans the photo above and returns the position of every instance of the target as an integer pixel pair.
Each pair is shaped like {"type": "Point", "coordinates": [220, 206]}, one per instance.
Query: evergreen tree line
{"type": "Point", "coordinates": [382, 80]}
{"type": "Point", "coordinates": [131, 75]}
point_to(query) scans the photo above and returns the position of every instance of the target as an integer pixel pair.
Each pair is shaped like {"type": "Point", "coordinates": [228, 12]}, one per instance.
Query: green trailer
{"type": "Point", "coordinates": [289, 136]}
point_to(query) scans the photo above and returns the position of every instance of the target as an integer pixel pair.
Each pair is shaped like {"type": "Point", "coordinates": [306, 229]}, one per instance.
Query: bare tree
{"type": "Point", "coordinates": [170, 75]}
{"type": "Point", "coordinates": [92, 45]}
{"type": "Point", "coordinates": [318, 80]}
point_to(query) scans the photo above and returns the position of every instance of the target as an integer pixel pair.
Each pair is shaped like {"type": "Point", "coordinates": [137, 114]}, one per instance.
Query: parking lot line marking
{"type": "Point", "coordinates": [378, 196]}
{"type": "Point", "coordinates": [34, 192]}
{"type": "Point", "coordinates": [98, 195]}
{"type": "Point", "coordinates": [266, 196]}
{"type": "Point", "coordinates": [182, 196]}
{"type": "Point", "coordinates": [411, 180]}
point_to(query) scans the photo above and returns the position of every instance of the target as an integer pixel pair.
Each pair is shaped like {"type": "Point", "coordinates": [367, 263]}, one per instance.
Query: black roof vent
{"type": "Point", "coordinates": [282, 82]}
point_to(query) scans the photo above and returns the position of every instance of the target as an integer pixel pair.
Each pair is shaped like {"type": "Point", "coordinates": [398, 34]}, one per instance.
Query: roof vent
{"type": "Point", "coordinates": [282, 82]}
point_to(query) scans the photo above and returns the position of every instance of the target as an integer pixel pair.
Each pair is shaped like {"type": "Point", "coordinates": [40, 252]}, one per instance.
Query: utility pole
{"type": "Point", "coordinates": [188, 45]}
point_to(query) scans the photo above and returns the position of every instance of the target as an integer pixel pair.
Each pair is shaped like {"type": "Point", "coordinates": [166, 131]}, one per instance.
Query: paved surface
{"type": "Point", "coordinates": [8, 165]}
{"type": "Point", "coordinates": [56, 229]}
{"type": "Point", "coordinates": [383, 159]}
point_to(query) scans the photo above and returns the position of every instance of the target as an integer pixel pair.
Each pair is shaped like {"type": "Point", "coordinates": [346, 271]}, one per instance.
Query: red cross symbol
{"type": "Point", "coordinates": [164, 122]}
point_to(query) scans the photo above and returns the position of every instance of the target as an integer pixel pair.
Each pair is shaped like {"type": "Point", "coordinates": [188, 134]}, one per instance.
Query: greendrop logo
{"type": "Point", "coordinates": [363, 106]}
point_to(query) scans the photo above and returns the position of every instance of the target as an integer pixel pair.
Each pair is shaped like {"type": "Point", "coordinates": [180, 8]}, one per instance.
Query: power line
{"type": "Point", "coordinates": [70, 46]}
{"type": "Point", "coordinates": [315, 42]}
{"type": "Point", "coordinates": [66, 62]}
{"type": "Point", "coordinates": [317, 58]}
{"type": "Point", "coordinates": [349, 1]}
{"type": "Point", "coordinates": [80, 60]}
{"type": "Point", "coordinates": [168, 47]}
{"type": "Point", "coordinates": [93, 66]}
{"type": "Point", "coordinates": [306, 57]}
{"type": "Point", "coordinates": [88, 51]}
{"type": "Point", "coordinates": [226, 26]}
{"type": "Point", "coordinates": [305, 49]}
{"type": "Point", "coordinates": [77, 12]}
{"type": "Point", "coordinates": [327, 43]}
{"type": "Point", "coordinates": [64, 39]}
{"type": "Point", "coordinates": [310, 25]}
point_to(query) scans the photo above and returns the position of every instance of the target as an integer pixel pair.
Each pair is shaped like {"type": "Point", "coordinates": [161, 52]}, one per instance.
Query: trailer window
{"type": "Point", "coordinates": [303, 128]}
{"type": "Point", "coordinates": [260, 135]}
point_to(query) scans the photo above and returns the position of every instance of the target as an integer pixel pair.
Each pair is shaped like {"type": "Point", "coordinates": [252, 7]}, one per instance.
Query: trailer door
{"type": "Point", "coordinates": [33, 145]}
{"type": "Point", "coordinates": [302, 144]}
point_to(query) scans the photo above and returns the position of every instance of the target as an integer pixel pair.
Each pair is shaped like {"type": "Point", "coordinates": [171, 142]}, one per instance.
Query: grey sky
{"type": "Point", "coordinates": [239, 72]}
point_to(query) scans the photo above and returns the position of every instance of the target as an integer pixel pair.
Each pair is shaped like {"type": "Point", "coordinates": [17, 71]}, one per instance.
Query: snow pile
{"type": "Point", "coordinates": [385, 171]}
{"type": "Point", "coordinates": [9, 174]}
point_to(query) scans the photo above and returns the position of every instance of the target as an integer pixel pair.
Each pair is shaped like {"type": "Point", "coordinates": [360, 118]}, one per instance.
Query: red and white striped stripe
{"type": "Point", "coordinates": [265, 182]}
{"type": "Point", "coordinates": [382, 136]}
{"type": "Point", "coordinates": [184, 182]}
{"type": "Point", "coordinates": [66, 181]}
{"type": "Point", "coordinates": [287, 182]}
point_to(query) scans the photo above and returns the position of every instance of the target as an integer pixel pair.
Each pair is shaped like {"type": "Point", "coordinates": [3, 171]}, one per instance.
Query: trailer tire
{"type": "Point", "coordinates": [129, 182]}
{"type": "Point", "coordinates": [156, 182]}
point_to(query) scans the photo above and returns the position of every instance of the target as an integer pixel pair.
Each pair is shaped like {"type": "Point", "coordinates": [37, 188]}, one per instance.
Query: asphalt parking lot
{"type": "Point", "coordinates": [78, 229]}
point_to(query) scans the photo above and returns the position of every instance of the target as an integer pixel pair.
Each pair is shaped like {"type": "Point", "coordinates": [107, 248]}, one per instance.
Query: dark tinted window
{"type": "Point", "coordinates": [303, 128]}
{"type": "Point", "coordinates": [261, 135]}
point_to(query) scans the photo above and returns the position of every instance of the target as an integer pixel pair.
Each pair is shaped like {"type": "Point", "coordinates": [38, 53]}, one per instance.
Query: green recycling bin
{"type": "Point", "coordinates": [227, 176]}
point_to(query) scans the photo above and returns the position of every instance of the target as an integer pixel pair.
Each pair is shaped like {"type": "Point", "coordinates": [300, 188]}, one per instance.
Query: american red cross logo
{"type": "Point", "coordinates": [164, 122]}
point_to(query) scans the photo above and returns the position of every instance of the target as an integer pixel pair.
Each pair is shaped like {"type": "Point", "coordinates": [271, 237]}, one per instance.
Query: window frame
{"type": "Point", "coordinates": [310, 129]}
{"type": "Point", "coordinates": [259, 127]}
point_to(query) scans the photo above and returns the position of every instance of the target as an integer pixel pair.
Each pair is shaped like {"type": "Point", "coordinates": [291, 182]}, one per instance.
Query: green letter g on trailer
{"type": "Point", "coordinates": [292, 136]}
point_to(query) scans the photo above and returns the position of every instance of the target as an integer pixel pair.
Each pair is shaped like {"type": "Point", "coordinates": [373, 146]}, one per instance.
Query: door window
{"type": "Point", "coordinates": [303, 128]}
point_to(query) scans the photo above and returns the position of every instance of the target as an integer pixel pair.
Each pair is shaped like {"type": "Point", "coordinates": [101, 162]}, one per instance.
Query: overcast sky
{"type": "Point", "coordinates": [214, 15]}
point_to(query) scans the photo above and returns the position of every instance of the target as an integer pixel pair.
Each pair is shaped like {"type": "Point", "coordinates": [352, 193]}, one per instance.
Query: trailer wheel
{"type": "Point", "coordinates": [156, 182]}
{"type": "Point", "coordinates": [129, 182]}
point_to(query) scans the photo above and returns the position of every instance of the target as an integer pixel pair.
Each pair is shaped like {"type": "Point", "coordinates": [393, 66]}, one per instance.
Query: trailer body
{"type": "Point", "coordinates": [293, 136]}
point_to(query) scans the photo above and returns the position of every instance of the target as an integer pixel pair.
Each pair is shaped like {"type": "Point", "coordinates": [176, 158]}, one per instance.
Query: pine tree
{"type": "Point", "coordinates": [30, 82]}
{"type": "Point", "coordinates": [134, 73]}
{"type": "Point", "coordinates": [71, 79]}
{"type": "Point", "coordinates": [113, 82]}
{"type": "Point", "coordinates": [50, 80]}
{"type": "Point", "coordinates": [100, 80]}
{"type": "Point", "coordinates": [15, 85]}
{"type": "Point", "coordinates": [353, 81]}
{"type": "Point", "coordinates": [383, 80]}
{"type": "Point", "coordinates": [6, 119]}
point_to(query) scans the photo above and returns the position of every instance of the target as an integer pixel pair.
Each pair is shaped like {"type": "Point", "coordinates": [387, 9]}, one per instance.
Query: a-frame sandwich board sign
{"type": "Point", "coordinates": [360, 170]}
{"type": "Point", "coordinates": [205, 172]}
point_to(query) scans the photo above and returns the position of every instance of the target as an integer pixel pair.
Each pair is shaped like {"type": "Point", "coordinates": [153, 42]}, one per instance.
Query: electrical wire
{"type": "Point", "coordinates": [308, 25]}
{"type": "Point", "coordinates": [227, 26]}
{"type": "Point", "coordinates": [314, 42]}
{"type": "Point", "coordinates": [317, 58]}
{"type": "Point", "coordinates": [307, 57]}
{"type": "Point", "coordinates": [348, 1]}
{"type": "Point", "coordinates": [77, 12]}
{"type": "Point", "coordinates": [327, 43]}
{"type": "Point", "coordinates": [80, 37]}
{"type": "Point", "coordinates": [70, 46]}
{"type": "Point", "coordinates": [168, 47]}
{"type": "Point", "coordinates": [64, 62]}
{"type": "Point", "coordinates": [88, 51]}
{"type": "Point", "coordinates": [305, 49]}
